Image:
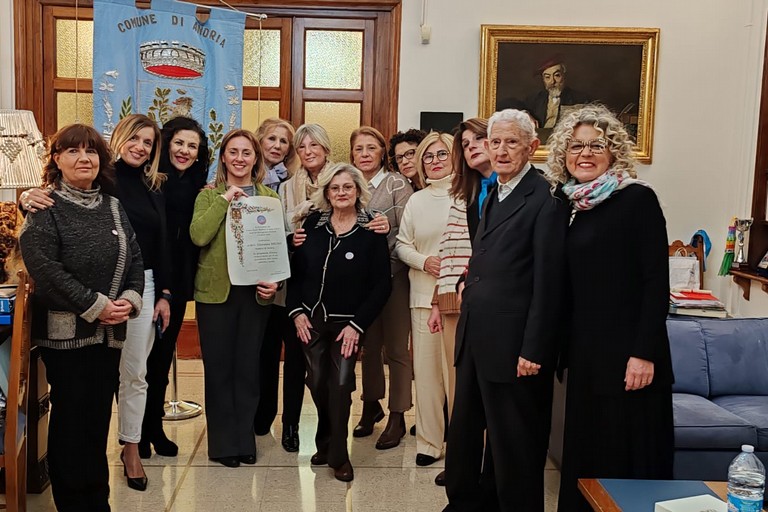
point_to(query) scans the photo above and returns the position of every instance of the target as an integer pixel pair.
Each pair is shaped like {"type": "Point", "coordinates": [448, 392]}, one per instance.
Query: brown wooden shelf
{"type": "Point", "coordinates": [744, 279]}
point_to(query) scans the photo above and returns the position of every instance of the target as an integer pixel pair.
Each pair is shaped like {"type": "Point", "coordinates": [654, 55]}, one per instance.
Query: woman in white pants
{"type": "Point", "coordinates": [423, 223]}
{"type": "Point", "coordinates": [136, 145]}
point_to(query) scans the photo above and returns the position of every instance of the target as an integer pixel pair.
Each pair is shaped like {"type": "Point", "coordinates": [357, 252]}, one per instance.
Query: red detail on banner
{"type": "Point", "coordinates": [173, 71]}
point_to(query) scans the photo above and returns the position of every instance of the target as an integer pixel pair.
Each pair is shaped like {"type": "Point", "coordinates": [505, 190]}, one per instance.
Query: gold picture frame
{"type": "Point", "coordinates": [616, 66]}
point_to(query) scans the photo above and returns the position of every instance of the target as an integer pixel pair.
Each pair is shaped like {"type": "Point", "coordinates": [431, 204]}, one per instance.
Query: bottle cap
{"type": "Point", "coordinates": [747, 448]}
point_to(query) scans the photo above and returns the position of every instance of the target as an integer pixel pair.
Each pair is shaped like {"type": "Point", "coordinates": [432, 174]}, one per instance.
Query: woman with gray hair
{"type": "Point", "coordinates": [619, 405]}
{"type": "Point", "coordinates": [340, 281]}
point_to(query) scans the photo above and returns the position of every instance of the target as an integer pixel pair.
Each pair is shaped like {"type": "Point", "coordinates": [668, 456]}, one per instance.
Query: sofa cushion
{"type": "Point", "coordinates": [700, 424]}
{"type": "Point", "coordinates": [737, 351]}
{"type": "Point", "coordinates": [754, 409]}
{"type": "Point", "coordinates": [689, 357]}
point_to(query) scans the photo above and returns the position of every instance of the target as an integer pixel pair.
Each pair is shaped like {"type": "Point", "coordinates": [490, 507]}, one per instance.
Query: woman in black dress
{"type": "Point", "coordinates": [184, 162]}
{"type": "Point", "coordinates": [618, 420]}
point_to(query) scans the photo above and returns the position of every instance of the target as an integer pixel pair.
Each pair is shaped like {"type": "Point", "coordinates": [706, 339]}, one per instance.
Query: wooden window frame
{"type": "Point", "coordinates": [30, 65]}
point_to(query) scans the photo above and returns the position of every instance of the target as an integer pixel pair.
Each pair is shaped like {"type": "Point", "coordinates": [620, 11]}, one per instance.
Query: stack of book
{"type": "Point", "coordinates": [696, 303]}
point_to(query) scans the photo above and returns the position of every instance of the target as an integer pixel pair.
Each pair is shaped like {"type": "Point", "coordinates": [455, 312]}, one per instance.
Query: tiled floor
{"type": "Point", "coordinates": [280, 482]}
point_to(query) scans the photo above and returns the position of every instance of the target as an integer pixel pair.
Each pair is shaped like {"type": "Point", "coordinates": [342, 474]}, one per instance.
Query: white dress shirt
{"type": "Point", "coordinates": [506, 188]}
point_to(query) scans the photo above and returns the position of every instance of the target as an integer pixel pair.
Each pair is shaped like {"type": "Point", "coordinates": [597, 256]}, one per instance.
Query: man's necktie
{"type": "Point", "coordinates": [485, 184]}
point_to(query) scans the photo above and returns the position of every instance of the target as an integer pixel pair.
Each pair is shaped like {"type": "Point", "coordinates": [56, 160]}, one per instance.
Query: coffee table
{"type": "Point", "coordinates": [615, 495]}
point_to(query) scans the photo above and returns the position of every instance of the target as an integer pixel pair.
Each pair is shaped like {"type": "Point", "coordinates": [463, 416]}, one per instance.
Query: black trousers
{"type": "Point", "coordinates": [280, 331]}
{"type": "Point", "coordinates": [83, 382]}
{"type": "Point", "coordinates": [230, 339]}
{"type": "Point", "coordinates": [158, 366]}
{"type": "Point", "coordinates": [516, 418]}
{"type": "Point", "coordinates": [331, 380]}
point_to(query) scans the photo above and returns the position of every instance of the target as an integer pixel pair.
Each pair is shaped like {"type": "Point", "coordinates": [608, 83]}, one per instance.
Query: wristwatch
{"type": "Point", "coordinates": [166, 296]}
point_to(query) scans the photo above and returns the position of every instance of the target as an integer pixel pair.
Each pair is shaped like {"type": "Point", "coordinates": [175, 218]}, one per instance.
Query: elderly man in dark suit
{"type": "Point", "coordinates": [507, 334]}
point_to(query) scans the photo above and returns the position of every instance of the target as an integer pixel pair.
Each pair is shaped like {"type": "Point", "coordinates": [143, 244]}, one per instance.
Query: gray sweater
{"type": "Point", "coordinates": [81, 252]}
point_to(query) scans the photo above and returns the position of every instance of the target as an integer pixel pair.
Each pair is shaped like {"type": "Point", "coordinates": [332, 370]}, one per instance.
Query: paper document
{"type": "Point", "coordinates": [703, 503]}
{"type": "Point", "coordinates": [256, 246]}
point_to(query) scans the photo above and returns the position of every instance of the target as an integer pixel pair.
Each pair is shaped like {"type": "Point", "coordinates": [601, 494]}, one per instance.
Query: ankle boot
{"type": "Point", "coordinates": [372, 414]}
{"type": "Point", "coordinates": [392, 434]}
{"type": "Point", "coordinates": [163, 445]}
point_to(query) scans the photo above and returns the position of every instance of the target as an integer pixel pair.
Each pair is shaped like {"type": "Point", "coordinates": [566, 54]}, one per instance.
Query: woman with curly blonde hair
{"type": "Point", "coordinates": [619, 403]}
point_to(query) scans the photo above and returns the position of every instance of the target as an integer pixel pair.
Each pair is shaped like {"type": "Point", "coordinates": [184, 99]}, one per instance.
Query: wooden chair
{"type": "Point", "coordinates": [14, 457]}
{"type": "Point", "coordinates": [678, 248]}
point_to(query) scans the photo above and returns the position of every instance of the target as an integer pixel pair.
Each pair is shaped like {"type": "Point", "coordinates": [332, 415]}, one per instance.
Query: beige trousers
{"type": "Point", "coordinates": [450, 322]}
{"type": "Point", "coordinates": [390, 332]}
{"type": "Point", "coordinates": [431, 378]}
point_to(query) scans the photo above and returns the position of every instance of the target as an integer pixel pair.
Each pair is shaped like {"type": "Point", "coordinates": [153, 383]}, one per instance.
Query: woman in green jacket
{"type": "Point", "coordinates": [231, 319]}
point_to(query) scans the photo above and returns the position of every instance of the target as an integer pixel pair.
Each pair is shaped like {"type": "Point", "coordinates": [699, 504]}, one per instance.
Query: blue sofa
{"type": "Point", "coordinates": [720, 393]}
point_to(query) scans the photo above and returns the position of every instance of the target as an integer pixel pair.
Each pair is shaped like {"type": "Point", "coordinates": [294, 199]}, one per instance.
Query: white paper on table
{"type": "Point", "coordinates": [256, 246]}
{"type": "Point", "coordinates": [703, 503]}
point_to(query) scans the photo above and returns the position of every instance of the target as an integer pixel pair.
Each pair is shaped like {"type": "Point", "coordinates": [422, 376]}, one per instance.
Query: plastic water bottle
{"type": "Point", "coordinates": [746, 482]}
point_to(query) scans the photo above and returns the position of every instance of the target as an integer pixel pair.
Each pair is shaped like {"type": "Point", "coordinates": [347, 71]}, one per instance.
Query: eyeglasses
{"type": "Point", "coordinates": [596, 146]}
{"type": "Point", "coordinates": [441, 155]}
{"type": "Point", "coordinates": [335, 189]}
{"type": "Point", "coordinates": [408, 155]}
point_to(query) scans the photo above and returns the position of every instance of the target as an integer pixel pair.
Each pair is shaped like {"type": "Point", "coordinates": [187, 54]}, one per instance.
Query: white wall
{"type": "Point", "coordinates": [6, 55]}
{"type": "Point", "coordinates": [707, 97]}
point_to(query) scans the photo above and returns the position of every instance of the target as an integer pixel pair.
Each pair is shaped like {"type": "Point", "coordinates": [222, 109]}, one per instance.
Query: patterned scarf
{"type": "Point", "coordinates": [585, 196]}
{"type": "Point", "coordinates": [276, 175]}
{"type": "Point", "coordinates": [86, 198]}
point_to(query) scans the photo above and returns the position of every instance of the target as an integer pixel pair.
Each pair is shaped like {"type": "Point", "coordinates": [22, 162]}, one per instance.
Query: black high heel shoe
{"type": "Point", "coordinates": [135, 483]}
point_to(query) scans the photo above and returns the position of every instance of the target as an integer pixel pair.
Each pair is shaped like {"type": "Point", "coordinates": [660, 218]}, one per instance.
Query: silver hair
{"type": "Point", "coordinates": [319, 197]}
{"type": "Point", "coordinates": [519, 118]}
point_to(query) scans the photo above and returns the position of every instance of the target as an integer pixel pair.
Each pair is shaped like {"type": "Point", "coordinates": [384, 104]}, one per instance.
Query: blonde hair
{"type": "Point", "coordinates": [257, 173]}
{"type": "Point", "coordinates": [291, 162]}
{"type": "Point", "coordinates": [319, 197]}
{"type": "Point", "coordinates": [125, 130]}
{"type": "Point", "coordinates": [430, 139]}
{"type": "Point", "coordinates": [610, 128]}
{"type": "Point", "coordinates": [315, 132]}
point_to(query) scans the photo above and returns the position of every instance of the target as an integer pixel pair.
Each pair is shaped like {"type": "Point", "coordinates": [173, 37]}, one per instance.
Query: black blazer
{"type": "Point", "coordinates": [511, 304]}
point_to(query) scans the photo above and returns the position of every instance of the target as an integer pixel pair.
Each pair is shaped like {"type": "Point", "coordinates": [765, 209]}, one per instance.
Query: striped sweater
{"type": "Point", "coordinates": [454, 252]}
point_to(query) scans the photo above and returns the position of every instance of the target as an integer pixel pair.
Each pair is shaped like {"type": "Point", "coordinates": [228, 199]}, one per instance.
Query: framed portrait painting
{"type": "Point", "coordinates": [549, 71]}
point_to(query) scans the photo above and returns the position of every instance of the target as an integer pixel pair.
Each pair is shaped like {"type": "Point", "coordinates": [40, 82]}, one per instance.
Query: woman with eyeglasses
{"type": "Point", "coordinates": [340, 281]}
{"type": "Point", "coordinates": [389, 194]}
{"type": "Point", "coordinates": [424, 221]}
{"type": "Point", "coordinates": [618, 420]}
{"type": "Point", "coordinates": [402, 155]}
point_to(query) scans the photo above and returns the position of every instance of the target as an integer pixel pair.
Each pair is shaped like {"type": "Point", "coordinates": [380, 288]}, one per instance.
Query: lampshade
{"type": "Point", "coordinates": [22, 150]}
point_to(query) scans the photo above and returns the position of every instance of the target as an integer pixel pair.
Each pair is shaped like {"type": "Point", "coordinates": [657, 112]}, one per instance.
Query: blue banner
{"type": "Point", "coordinates": [164, 63]}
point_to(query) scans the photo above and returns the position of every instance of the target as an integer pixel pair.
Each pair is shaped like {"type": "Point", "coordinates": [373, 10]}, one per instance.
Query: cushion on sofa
{"type": "Point", "coordinates": [700, 424]}
{"type": "Point", "coordinates": [754, 409]}
{"type": "Point", "coordinates": [737, 351]}
{"type": "Point", "coordinates": [689, 357]}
